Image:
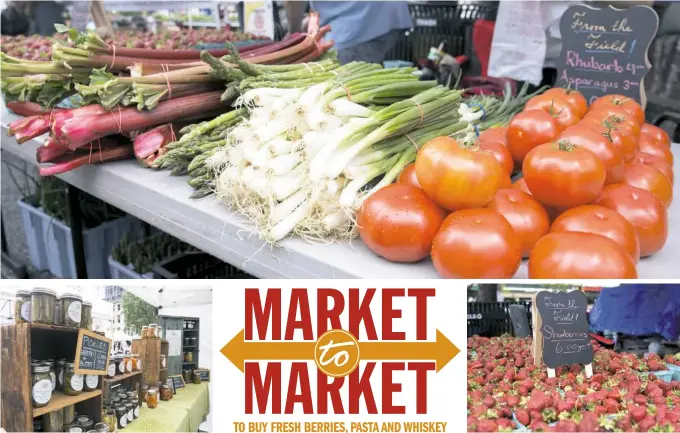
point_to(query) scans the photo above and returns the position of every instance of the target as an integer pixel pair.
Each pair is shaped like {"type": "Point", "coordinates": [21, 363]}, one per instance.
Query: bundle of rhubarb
{"type": "Point", "coordinates": [83, 135]}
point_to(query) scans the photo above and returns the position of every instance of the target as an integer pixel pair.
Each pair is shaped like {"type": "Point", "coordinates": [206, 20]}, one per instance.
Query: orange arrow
{"type": "Point", "coordinates": [238, 351]}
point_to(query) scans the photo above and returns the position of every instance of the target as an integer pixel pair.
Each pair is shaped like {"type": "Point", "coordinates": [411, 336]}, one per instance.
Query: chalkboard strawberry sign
{"type": "Point", "coordinates": [604, 50]}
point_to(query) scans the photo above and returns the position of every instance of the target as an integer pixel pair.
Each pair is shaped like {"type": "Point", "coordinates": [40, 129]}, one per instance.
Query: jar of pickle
{"type": "Point", "coordinates": [159, 332]}
{"type": "Point", "coordinates": [164, 361]}
{"type": "Point", "coordinates": [73, 382]}
{"type": "Point", "coordinates": [120, 365]}
{"type": "Point", "coordinates": [189, 356]}
{"type": "Point", "coordinates": [41, 385]}
{"type": "Point", "coordinates": [91, 382]}
{"type": "Point", "coordinates": [53, 376]}
{"type": "Point", "coordinates": [71, 310]}
{"type": "Point", "coordinates": [152, 399]}
{"type": "Point", "coordinates": [42, 306]}
{"type": "Point", "coordinates": [187, 374]}
{"type": "Point", "coordinates": [22, 307]}
{"type": "Point", "coordinates": [111, 369]}
{"type": "Point", "coordinates": [166, 393]}
{"type": "Point", "coordinates": [153, 330]}
{"type": "Point", "coordinates": [197, 378]}
{"type": "Point", "coordinates": [59, 373]}
{"type": "Point", "coordinates": [145, 391]}
{"type": "Point", "coordinates": [74, 428]}
{"type": "Point", "coordinates": [121, 416]}
{"type": "Point", "coordinates": [69, 414]}
{"type": "Point", "coordinates": [128, 363]}
{"type": "Point", "coordinates": [86, 316]}
{"type": "Point", "coordinates": [53, 421]}
{"type": "Point", "coordinates": [110, 419]}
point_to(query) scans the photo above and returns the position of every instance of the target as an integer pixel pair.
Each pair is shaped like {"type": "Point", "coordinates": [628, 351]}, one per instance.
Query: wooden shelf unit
{"type": "Point", "coordinates": [149, 350]}
{"type": "Point", "coordinates": [22, 342]}
{"type": "Point", "coordinates": [60, 400]}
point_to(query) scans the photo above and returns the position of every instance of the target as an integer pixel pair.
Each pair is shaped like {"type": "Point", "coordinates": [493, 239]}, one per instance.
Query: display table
{"type": "Point", "coordinates": [184, 413]}
{"type": "Point", "coordinates": [163, 201]}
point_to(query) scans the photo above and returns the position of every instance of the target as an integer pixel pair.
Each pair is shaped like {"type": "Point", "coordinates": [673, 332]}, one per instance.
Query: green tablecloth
{"type": "Point", "coordinates": [184, 413]}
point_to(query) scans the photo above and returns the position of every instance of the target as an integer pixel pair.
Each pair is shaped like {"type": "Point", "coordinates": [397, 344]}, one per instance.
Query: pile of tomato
{"type": "Point", "coordinates": [596, 182]}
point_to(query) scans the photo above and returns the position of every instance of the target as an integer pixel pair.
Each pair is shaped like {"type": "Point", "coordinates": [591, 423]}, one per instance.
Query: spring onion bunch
{"type": "Point", "coordinates": [314, 141]}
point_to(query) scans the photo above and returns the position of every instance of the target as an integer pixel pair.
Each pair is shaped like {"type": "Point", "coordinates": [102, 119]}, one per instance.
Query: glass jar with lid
{"type": "Point", "coordinates": [53, 375]}
{"type": "Point", "coordinates": [73, 382]}
{"type": "Point", "coordinates": [130, 408]}
{"type": "Point", "coordinates": [128, 363]}
{"type": "Point", "coordinates": [22, 307]}
{"type": "Point", "coordinates": [74, 428]}
{"type": "Point", "coordinates": [152, 399]}
{"type": "Point", "coordinates": [110, 419]}
{"type": "Point", "coordinates": [164, 361]}
{"type": "Point", "coordinates": [111, 369]}
{"type": "Point", "coordinates": [136, 362]}
{"type": "Point", "coordinates": [41, 385]}
{"type": "Point", "coordinates": [85, 422]}
{"type": "Point", "coordinates": [102, 427]}
{"type": "Point", "coordinates": [91, 382]}
{"type": "Point", "coordinates": [57, 311]}
{"type": "Point", "coordinates": [42, 305]}
{"type": "Point", "coordinates": [166, 393]}
{"type": "Point", "coordinates": [145, 332]}
{"type": "Point", "coordinates": [59, 372]}
{"type": "Point", "coordinates": [86, 316]}
{"type": "Point", "coordinates": [120, 365]}
{"type": "Point", "coordinates": [71, 310]}
{"type": "Point", "coordinates": [152, 330]}
{"type": "Point", "coordinates": [121, 416]}
{"type": "Point", "coordinates": [197, 378]}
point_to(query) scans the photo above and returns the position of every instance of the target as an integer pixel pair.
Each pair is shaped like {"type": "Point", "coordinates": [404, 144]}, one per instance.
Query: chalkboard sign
{"type": "Point", "coordinates": [177, 381]}
{"type": "Point", "coordinates": [564, 327]}
{"type": "Point", "coordinates": [92, 353]}
{"type": "Point", "coordinates": [203, 373]}
{"type": "Point", "coordinates": [604, 51]}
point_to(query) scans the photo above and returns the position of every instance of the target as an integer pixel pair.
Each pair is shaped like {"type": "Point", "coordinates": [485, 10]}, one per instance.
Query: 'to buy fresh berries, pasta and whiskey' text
{"type": "Point", "coordinates": [339, 360]}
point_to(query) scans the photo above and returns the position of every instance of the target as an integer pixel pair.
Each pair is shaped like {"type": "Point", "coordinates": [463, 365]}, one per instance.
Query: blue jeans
{"type": "Point", "coordinates": [373, 51]}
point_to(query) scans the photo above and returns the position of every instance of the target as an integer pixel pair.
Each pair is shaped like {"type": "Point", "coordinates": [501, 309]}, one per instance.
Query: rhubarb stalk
{"type": "Point", "coordinates": [88, 158]}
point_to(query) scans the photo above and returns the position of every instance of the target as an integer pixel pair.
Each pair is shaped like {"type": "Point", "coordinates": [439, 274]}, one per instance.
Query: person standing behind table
{"type": "Point", "coordinates": [45, 15]}
{"type": "Point", "coordinates": [361, 30]}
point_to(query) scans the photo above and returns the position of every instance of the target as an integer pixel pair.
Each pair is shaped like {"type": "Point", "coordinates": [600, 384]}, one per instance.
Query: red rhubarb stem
{"type": "Point", "coordinates": [93, 158]}
{"type": "Point", "coordinates": [151, 141]}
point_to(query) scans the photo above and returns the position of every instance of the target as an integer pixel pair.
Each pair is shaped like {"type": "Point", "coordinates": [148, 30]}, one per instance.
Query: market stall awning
{"type": "Point", "coordinates": [173, 296]}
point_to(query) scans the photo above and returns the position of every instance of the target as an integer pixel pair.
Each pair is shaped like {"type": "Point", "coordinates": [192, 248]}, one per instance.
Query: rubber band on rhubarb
{"type": "Point", "coordinates": [119, 121]}
{"type": "Point", "coordinates": [113, 58]}
{"type": "Point", "coordinates": [165, 69]}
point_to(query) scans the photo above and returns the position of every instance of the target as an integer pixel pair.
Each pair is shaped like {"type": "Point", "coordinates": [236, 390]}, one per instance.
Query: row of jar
{"type": "Point", "coordinates": [44, 306]}
{"type": "Point", "coordinates": [151, 331]}
{"type": "Point", "coordinates": [123, 364]}
{"type": "Point", "coordinates": [50, 375]}
{"type": "Point", "coordinates": [121, 409]}
{"type": "Point", "coordinates": [68, 420]}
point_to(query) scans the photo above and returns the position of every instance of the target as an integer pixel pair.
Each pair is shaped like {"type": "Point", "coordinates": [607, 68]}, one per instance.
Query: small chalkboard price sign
{"type": "Point", "coordinates": [604, 51]}
{"type": "Point", "coordinates": [92, 353]}
{"type": "Point", "coordinates": [564, 330]}
{"type": "Point", "coordinates": [177, 381]}
{"type": "Point", "coordinates": [204, 374]}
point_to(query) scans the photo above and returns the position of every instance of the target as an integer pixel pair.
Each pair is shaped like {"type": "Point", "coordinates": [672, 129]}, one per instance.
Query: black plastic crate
{"type": "Point", "coordinates": [492, 319]}
{"type": "Point", "coordinates": [437, 22]}
{"type": "Point", "coordinates": [198, 265]}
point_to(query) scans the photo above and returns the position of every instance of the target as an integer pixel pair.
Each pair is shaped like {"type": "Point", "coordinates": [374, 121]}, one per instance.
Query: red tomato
{"type": "Point", "coordinates": [616, 117]}
{"type": "Point", "coordinates": [457, 177]}
{"type": "Point", "coordinates": [652, 146]}
{"type": "Point", "coordinates": [657, 162]}
{"type": "Point", "coordinates": [627, 104]}
{"type": "Point", "coordinates": [656, 133]}
{"type": "Point", "coordinates": [529, 129]}
{"type": "Point", "coordinates": [571, 255]}
{"type": "Point", "coordinates": [562, 175]}
{"type": "Point", "coordinates": [399, 222]}
{"type": "Point", "coordinates": [601, 221]}
{"type": "Point", "coordinates": [527, 216]}
{"type": "Point", "coordinates": [476, 243]}
{"type": "Point", "coordinates": [573, 97]}
{"type": "Point", "coordinates": [494, 134]}
{"type": "Point", "coordinates": [500, 152]}
{"type": "Point", "coordinates": [644, 211]}
{"type": "Point", "coordinates": [650, 179]}
{"type": "Point", "coordinates": [587, 138]}
{"type": "Point", "coordinates": [408, 175]}
{"type": "Point", "coordinates": [507, 183]}
{"type": "Point", "coordinates": [623, 141]}
{"type": "Point", "coordinates": [564, 113]}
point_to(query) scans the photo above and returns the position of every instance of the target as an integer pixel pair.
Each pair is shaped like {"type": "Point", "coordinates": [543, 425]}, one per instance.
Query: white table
{"type": "Point", "coordinates": [163, 201]}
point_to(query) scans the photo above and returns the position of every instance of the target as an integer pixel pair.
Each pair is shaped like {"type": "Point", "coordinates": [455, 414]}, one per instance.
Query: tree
{"type": "Point", "coordinates": [137, 313]}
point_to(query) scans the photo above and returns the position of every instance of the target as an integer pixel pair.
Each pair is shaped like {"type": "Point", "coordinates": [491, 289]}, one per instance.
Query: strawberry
{"type": "Point", "coordinates": [505, 424]}
{"type": "Point", "coordinates": [487, 425]}
{"type": "Point", "coordinates": [646, 424]}
{"type": "Point", "coordinates": [472, 423]}
{"type": "Point", "coordinates": [522, 416]}
{"type": "Point", "coordinates": [589, 423]}
{"type": "Point", "coordinates": [638, 413]}
{"type": "Point", "coordinates": [611, 406]}
{"type": "Point", "coordinates": [513, 400]}
{"type": "Point", "coordinates": [538, 426]}
{"type": "Point", "coordinates": [566, 426]}
{"type": "Point", "coordinates": [489, 401]}
{"type": "Point", "coordinates": [564, 405]}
